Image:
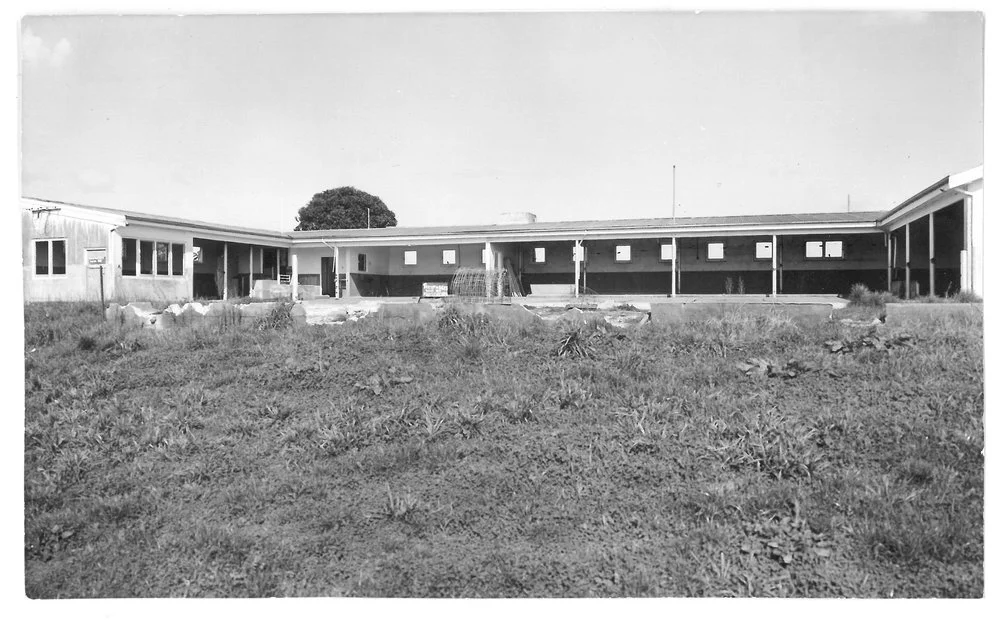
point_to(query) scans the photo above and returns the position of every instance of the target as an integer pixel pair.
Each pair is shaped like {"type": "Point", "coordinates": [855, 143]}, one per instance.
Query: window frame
{"type": "Point", "coordinates": [362, 262]}
{"type": "Point", "coordinates": [756, 251]}
{"type": "Point", "coordinates": [707, 252]}
{"type": "Point", "coordinates": [444, 252]}
{"type": "Point", "coordinates": [173, 261]}
{"type": "Point", "coordinates": [823, 247]}
{"type": "Point", "coordinates": [485, 255]}
{"type": "Point", "coordinates": [534, 255]}
{"type": "Point", "coordinates": [50, 254]}
{"type": "Point", "coordinates": [617, 253]}
{"type": "Point", "coordinates": [672, 259]}
{"type": "Point", "coordinates": [405, 257]}
{"type": "Point", "coordinates": [581, 247]}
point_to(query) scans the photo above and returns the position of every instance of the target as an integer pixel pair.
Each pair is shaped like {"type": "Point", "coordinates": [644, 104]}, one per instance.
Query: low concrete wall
{"type": "Point", "coordinates": [268, 289]}
{"type": "Point", "coordinates": [897, 313]}
{"type": "Point", "coordinates": [194, 314]}
{"type": "Point", "coordinates": [404, 312]}
{"type": "Point", "coordinates": [676, 312]}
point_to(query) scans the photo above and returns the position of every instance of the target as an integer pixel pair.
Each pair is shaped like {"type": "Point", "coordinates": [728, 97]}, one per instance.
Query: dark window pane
{"type": "Point", "coordinates": [162, 259]}
{"type": "Point", "coordinates": [58, 257]}
{"type": "Point", "coordinates": [145, 257]}
{"type": "Point", "coordinates": [128, 257]}
{"type": "Point", "coordinates": [178, 259]}
{"type": "Point", "coordinates": [41, 257]}
{"type": "Point", "coordinates": [362, 262]}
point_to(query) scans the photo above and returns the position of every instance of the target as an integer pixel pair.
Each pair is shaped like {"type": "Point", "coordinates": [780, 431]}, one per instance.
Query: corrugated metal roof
{"type": "Point", "coordinates": [171, 221]}
{"type": "Point", "coordinates": [538, 228]}
{"type": "Point", "coordinates": [591, 225]}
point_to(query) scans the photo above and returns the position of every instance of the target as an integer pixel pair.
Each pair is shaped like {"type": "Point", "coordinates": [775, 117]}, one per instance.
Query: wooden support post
{"type": "Point", "coordinates": [294, 277]}
{"type": "Point", "coordinates": [225, 271]}
{"type": "Point", "coordinates": [933, 261]}
{"type": "Point", "coordinates": [336, 272]}
{"type": "Point", "coordinates": [967, 258]}
{"type": "Point", "coordinates": [773, 265]}
{"type": "Point", "coordinates": [908, 270]}
{"type": "Point", "coordinates": [490, 262]}
{"type": "Point", "coordinates": [577, 253]}
{"type": "Point", "coordinates": [672, 268]}
{"type": "Point", "coordinates": [888, 283]}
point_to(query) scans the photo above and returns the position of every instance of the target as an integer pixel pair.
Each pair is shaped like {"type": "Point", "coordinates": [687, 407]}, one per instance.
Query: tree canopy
{"type": "Point", "coordinates": [344, 207]}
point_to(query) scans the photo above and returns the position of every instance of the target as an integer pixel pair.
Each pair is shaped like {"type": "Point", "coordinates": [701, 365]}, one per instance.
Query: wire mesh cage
{"type": "Point", "coordinates": [479, 285]}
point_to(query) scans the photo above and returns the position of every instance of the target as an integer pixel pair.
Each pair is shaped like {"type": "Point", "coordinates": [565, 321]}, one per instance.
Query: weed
{"type": "Point", "coordinates": [399, 507]}
{"type": "Point", "coordinates": [573, 343]}
{"type": "Point", "coordinates": [571, 394]}
{"type": "Point", "coordinates": [278, 318]}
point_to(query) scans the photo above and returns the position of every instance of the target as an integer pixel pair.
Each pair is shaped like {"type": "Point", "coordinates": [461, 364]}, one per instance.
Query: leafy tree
{"type": "Point", "coordinates": [344, 207]}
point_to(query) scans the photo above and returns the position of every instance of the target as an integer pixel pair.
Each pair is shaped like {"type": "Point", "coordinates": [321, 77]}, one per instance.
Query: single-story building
{"type": "Point", "coordinates": [931, 243]}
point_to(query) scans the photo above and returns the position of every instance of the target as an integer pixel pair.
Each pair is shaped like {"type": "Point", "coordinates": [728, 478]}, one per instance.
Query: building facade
{"type": "Point", "coordinates": [931, 243]}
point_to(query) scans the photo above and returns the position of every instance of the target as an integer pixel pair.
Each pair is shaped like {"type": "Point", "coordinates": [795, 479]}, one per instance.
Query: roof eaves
{"type": "Point", "coordinates": [166, 221]}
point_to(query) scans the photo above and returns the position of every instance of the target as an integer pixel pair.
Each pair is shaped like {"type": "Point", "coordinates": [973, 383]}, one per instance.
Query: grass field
{"type": "Point", "coordinates": [471, 458]}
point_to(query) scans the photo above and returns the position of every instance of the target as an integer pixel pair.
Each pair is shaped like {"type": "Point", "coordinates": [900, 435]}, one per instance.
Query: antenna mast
{"type": "Point", "coordinates": [674, 193]}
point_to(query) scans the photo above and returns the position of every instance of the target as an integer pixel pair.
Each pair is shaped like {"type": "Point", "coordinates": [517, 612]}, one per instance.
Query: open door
{"type": "Point", "coordinates": [327, 276]}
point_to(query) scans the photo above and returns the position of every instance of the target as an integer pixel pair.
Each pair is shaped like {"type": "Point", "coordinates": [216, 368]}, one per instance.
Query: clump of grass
{"type": "Point", "coordinates": [966, 297]}
{"type": "Point", "coordinates": [452, 318]}
{"type": "Point", "coordinates": [573, 343]}
{"type": "Point", "coordinates": [399, 506]}
{"type": "Point", "coordinates": [278, 318]}
{"type": "Point", "coordinates": [772, 443]}
{"type": "Point", "coordinates": [860, 295]}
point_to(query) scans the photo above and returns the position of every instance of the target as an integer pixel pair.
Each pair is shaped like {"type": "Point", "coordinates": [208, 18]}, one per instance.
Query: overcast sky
{"type": "Point", "coordinates": [456, 118]}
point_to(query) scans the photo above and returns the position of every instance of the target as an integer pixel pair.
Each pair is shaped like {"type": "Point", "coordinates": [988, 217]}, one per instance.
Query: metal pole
{"type": "Point", "coordinates": [103, 306]}
{"type": "Point", "coordinates": [674, 194]}
{"type": "Point", "coordinates": [369, 218]}
{"type": "Point", "coordinates": [225, 271]}
{"type": "Point", "coordinates": [294, 277]}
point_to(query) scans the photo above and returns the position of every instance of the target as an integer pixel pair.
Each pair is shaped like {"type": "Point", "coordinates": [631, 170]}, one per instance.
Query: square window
{"type": "Point", "coordinates": [450, 257]}
{"type": "Point", "coordinates": [485, 256]}
{"type": "Point", "coordinates": [178, 259]}
{"type": "Point", "coordinates": [409, 257]}
{"type": "Point", "coordinates": [539, 255]}
{"type": "Point", "coordinates": [128, 256]}
{"type": "Point", "coordinates": [764, 250]}
{"type": "Point", "coordinates": [813, 249]}
{"type": "Point", "coordinates": [716, 251]}
{"type": "Point", "coordinates": [622, 254]}
{"type": "Point", "coordinates": [666, 252]}
{"type": "Point", "coordinates": [362, 262]}
{"type": "Point", "coordinates": [50, 257]}
{"type": "Point", "coordinates": [834, 250]}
